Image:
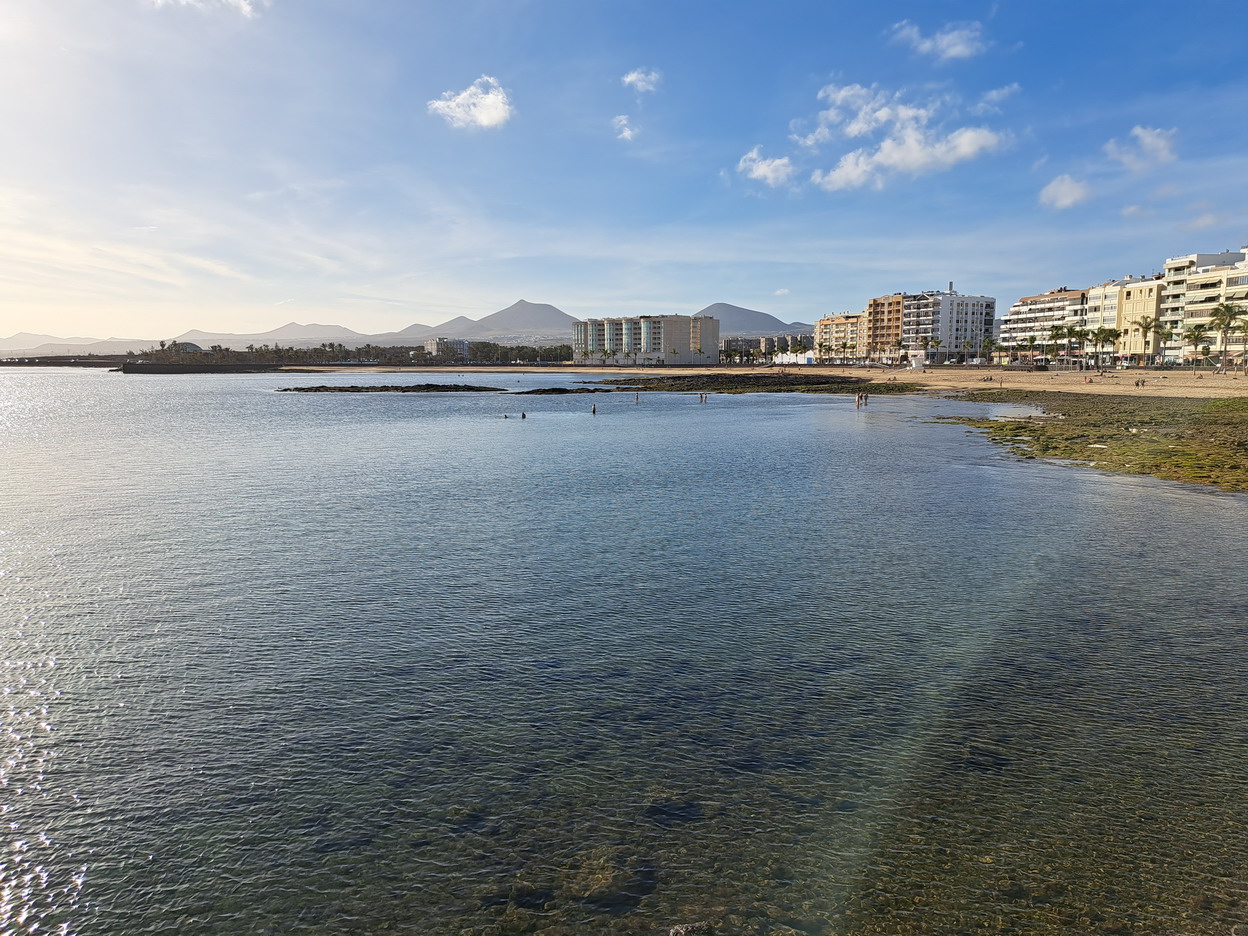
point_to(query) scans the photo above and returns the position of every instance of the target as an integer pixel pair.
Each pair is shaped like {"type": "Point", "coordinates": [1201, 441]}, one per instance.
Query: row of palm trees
{"type": "Point", "coordinates": [1224, 320]}
{"type": "Point", "coordinates": [848, 350]}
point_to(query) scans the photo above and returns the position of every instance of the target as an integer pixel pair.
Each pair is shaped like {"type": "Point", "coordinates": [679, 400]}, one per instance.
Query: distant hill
{"type": "Point", "coordinates": [292, 334]}
{"type": "Point", "coordinates": [24, 340]}
{"type": "Point", "coordinates": [521, 321]}
{"type": "Point", "coordinates": [734, 320]}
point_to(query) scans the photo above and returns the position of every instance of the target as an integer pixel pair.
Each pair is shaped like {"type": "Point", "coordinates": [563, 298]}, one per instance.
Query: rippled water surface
{"type": "Point", "coordinates": [336, 664]}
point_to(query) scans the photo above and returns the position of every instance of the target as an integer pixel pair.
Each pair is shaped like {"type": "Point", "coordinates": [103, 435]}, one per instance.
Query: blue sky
{"type": "Point", "coordinates": [233, 165]}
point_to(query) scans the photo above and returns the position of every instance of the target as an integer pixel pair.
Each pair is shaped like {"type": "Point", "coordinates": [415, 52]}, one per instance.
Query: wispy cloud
{"type": "Point", "coordinates": [1202, 222]}
{"type": "Point", "coordinates": [1152, 147]}
{"type": "Point", "coordinates": [772, 172]}
{"type": "Point", "coordinates": [990, 101]}
{"type": "Point", "coordinates": [781, 292]}
{"type": "Point", "coordinates": [641, 80]}
{"type": "Point", "coordinates": [247, 7]}
{"type": "Point", "coordinates": [484, 103]}
{"type": "Point", "coordinates": [908, 141]}
{"type": "Point", "coordinates": [951, 41]}
{"type": "Point", "coordinates": [624, 130]}
{"type": "Point", "coordinates": [1064, 192]}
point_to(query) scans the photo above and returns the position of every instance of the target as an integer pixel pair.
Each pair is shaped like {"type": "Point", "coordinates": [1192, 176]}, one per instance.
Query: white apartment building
{"type": "Point", "coordinates": [1194, 285]}
{"type": "Point", "coordinates": [448, 347]}
{"type": "Point", "coordinates": [1032, 316]}
{"type": "Point", "coordinates": [647, 339]}
{"type": "Point", "coordinates": [961, 324]}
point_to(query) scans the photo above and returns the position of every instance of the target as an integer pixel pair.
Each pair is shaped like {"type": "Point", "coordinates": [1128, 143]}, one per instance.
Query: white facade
{"type": "Point", "coordinates": [1187, 291]}
{"type": "Point", "coordinates": [962, 324]}
{"type": "Point", "coordinates": [647, 339]}
{"type": "Point", "coordinates": [447, 347]}
{"type": "Point", "coordinates": [1032, 316]}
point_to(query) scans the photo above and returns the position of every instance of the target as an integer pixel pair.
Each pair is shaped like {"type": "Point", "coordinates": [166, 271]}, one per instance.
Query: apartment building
{"type": "Point", "coordinates": [959, 323]}
{"type": "Point", "coordinates": [1202, 271]}
{"type": "Point", "coordinates": [647, 339]}
{"type": "Point", "coordinates": [1031, 317]}
{"type": "Point", "coordinates": [883, 321]}
{"type": "Point", "coordinates": [448, 348]}
{"type": "Point", "coordinates": [839, 336]}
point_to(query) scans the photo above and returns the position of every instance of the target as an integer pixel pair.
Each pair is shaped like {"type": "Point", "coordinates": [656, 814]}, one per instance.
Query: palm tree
{"type": "Point", "coordinates": [1081, 335]}
{"type": "Point", "coordinates": [1031, 347]}
{"type": "Point", "coordinates": [1222, 320]}
{"type": "Point", "coordinates": [936, 343]}
{"type": "Point", "coordinates": [1147, 325]}
{"type": "Point", "coordinates": [1056, 334]}
{"type": "Point", "coordinates": [988, 348]}
{"type": "Point", "coordinates": [1164, 335]}
{"type": "Point", "coordinates": [1197, 336]}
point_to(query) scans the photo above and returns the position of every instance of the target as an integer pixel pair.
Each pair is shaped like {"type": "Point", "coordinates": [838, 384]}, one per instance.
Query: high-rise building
{"type": "Point", "coordinates": [647, 339]}
{"type": "Point", "coordinates": [961, 324]}
{"type": "Point", "coordinates": [1194, 285]}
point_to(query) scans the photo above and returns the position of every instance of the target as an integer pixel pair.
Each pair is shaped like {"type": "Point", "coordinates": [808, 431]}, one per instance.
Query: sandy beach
{"type": "Point", "coordinates": [1170, 383]}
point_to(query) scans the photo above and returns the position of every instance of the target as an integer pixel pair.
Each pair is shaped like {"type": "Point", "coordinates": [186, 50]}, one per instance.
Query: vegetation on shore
{"type": "Point", "coordinates": [761, 383]}
{"type": "Point", "coordinates": [1198, 441]}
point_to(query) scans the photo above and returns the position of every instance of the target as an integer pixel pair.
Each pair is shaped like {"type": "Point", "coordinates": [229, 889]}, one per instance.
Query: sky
{"type": "Point", "coordinates": [233, 165]}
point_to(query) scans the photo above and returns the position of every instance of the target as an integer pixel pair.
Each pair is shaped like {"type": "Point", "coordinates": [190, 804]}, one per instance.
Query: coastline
{"type": "Point", "coordinates": [1170, 383]}
{"type": "Point", "coordinates": [1177, 425]}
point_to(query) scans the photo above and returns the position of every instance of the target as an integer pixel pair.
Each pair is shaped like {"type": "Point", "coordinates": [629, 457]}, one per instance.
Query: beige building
{"type": "Point", "coordinates": [1194, 283]}
{"type": "Point", "coordinates": [1138, 299]}
{"type": "Point", "coordinates": [884, 317]}
{"type": "Point", "coordinates": [840, 336]}
{"type": "Point", "coordinates": [647, 339]}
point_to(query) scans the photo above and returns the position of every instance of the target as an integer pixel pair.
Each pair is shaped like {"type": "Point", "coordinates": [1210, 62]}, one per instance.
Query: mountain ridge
{"type": "Point", "coordinates": [521, 322]}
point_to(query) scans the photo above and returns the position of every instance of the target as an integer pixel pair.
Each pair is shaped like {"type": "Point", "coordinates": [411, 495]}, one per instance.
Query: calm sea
{"type": "Point", "coordinates": [285, 663]}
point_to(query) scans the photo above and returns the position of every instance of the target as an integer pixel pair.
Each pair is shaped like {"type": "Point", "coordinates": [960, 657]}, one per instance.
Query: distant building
{"type": "Point", "coordinates": [450, 348]}
{"type": "Point", "coordinates": [647, 340]}
{"type": "Point", "coordinates": [937, 323]}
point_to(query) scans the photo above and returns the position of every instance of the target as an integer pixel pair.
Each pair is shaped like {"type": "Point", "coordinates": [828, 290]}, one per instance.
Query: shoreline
{"type": "Point", "coordinates": [1203, 385]}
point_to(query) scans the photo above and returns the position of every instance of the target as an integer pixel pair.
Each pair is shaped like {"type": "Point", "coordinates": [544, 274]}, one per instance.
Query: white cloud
{"type": "Point", "coordinates": [990, 101]}
{"type": "Point", "coordinates": [623, 129]}
{"type": "Point", "coordinates": [908, 143]}
{"type": "Point", "coordinates": [781, 292]}
{"type": "Point", "coordinates": [1152, 147]}
{"type": "Point", "coordinates": [952, 41]}
{"type": "Point", "coordinates": [246, 7]}
{"type": "Point", "coordinates": [1135, 211]}
{"type": "Point", "coordinates": [1202, 222]}
{"type": "Point", "coordinates": [641, 80]}
{"type": "Point", "coordinates": [1064, 192]}
{"type": "Point", "coordinates": [484, 103]}
{"type": "Point", "coordinates": [773, 172]}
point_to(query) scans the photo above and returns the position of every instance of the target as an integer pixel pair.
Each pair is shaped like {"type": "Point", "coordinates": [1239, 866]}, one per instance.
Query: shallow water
{"type": "Point", "coordinates": [309, 663]}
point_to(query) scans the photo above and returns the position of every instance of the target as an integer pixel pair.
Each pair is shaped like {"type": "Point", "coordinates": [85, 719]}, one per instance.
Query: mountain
{"type": "Point", "coordinates": [521, 322]}
{"type": "Point", "coordinates": [734, 320]}
{"type": "Point", "coordinates": [292, 334]}
{"type": "Point", "coordinates": [24, 340]}
{"type": "Point", "coordinates": [525, 318]}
